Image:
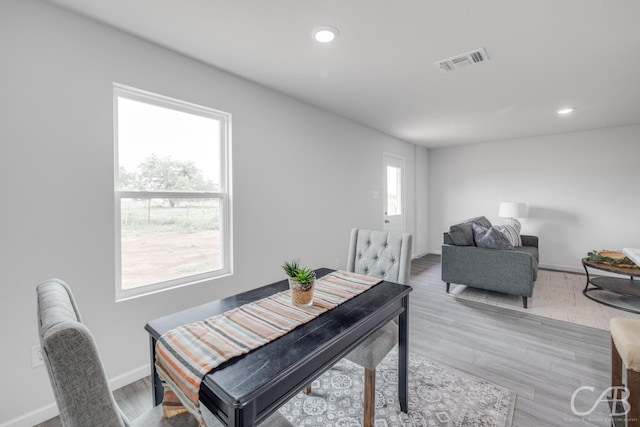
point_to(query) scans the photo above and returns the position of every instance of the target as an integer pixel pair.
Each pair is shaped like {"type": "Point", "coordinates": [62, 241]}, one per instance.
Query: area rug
{"type": "Point", "coordinates": [557, 295]}
{"type": "Point", "coordinates": [438, 396]}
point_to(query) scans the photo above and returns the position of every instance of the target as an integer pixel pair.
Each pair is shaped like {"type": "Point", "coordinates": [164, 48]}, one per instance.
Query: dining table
{"type": "Point", "coordinates": [245, 390]}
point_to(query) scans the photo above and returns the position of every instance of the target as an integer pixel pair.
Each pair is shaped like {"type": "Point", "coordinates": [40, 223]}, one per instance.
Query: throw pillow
{"type": "Point", "coordinates": [461, 234]}
{"type": "Point", "coordinates": [481, 221]}
{"type": "Point", "coordinates": [491, 238]}
{"type": "Point", "coordinates": [511, 232]}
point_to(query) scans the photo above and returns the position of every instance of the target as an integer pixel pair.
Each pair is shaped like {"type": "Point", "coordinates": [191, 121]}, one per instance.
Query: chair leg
{"type": "Point", "coordinates": [524, 302]}
{"type": "Point", "coordinates": [369, 397]}
{"type": "Point", "coordinates": [616, 371]}
{"type": "Point", "coordinates": [307, 389]}
{"type": "Point", "coordinates": [448, 285]}
{"type": "Point", "coordinates": [633, 385]}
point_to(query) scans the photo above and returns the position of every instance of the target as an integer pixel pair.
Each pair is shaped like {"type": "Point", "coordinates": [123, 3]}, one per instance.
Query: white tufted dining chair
{"type": "Point", "coordinates": [386, 255]}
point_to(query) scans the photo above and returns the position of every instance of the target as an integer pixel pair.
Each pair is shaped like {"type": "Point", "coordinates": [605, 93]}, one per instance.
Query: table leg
{"type": "Point", "coordinates": [245, 416]}
{"type": "Point", "coordinates": [587, 272]}
{"type": "Point", "coordinates": [156, 384]}
{"type": "Point", "coordinates": [403, 355]}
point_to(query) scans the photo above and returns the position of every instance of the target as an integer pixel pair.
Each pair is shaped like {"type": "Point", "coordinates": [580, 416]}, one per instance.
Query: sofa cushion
{"type": "Point", "coordinates": [491, 238]}
{"type": "Point", "coordinates": [462, 234]}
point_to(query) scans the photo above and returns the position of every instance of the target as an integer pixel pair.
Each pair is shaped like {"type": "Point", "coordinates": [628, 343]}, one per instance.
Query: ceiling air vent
{"type": "Point", "coordinates": [464, 60]}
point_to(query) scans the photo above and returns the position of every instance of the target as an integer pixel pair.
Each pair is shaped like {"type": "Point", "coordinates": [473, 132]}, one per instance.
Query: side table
{"type": "Point", "coordinates": [623, 286]}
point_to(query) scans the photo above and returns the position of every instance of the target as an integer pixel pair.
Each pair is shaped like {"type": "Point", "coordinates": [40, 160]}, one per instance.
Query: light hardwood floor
{"type": "Point", "coordinates": [544, 361]}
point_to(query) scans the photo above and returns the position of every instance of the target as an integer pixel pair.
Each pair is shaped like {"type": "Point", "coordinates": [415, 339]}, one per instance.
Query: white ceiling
{"type": "Point", "coordinates": [544, 55]}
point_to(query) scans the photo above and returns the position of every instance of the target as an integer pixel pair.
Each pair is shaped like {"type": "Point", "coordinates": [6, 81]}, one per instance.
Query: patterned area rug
{"type": "Point", "coordinates": [438, 396]}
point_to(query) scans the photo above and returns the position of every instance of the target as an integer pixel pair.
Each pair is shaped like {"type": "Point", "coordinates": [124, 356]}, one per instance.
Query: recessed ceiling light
{"type": "Point", "coordinates": [565, 111]}
{"type": "Point", "coordinates": [325, 34]}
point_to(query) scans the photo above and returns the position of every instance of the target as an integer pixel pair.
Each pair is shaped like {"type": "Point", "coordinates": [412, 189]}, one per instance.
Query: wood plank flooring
{"type": "Point", "coordinates": [542, 360]}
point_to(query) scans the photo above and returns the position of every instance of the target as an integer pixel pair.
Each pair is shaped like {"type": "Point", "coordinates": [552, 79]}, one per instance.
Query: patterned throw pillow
{"type": "Point", "coordinates": [491, 238]}
{"type": "Point", "coordinates": [512, 232]}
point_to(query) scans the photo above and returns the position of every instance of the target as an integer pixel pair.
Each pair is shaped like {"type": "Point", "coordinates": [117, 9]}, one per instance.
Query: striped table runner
{"type": "Point", "coordinates": [186, 354]}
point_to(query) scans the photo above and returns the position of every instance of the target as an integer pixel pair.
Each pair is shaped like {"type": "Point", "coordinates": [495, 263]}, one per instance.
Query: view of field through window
{"type": "Point", "coordinates": [169, 178]}
{"type": "Point", "coordinates": [163, 242]}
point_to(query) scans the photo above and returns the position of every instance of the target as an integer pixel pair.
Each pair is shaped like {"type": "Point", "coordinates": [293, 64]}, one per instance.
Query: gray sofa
{"type": "Point", "coordinates": [510, 271]}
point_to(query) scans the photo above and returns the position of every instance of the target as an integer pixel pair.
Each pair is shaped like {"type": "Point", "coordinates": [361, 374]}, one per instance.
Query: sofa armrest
{"type": "Point", "coordinates": [446, 238]}
{"type": "Point", "coordinates": [529, 240]}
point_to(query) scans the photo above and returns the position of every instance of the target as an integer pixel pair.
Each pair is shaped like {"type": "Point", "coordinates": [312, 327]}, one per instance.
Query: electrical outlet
{"type": "Point", "coordinates": [36, 356]}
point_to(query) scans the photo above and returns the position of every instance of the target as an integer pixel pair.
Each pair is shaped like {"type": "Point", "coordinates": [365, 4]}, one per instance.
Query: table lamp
{"type": "Point", "coordinates": [513, 210]}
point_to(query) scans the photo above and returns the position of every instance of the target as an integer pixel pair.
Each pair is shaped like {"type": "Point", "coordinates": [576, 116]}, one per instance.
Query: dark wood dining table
{"type": "Point", "coordinates": [245, 390]}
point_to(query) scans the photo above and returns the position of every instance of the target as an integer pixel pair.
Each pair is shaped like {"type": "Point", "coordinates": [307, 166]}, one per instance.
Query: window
{"type": "Point", "coordinates": [394, 190]}
{"type": "Point", "coordinates": [172, 198]}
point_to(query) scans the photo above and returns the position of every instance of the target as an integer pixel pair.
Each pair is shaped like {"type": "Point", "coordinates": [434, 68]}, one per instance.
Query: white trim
{"type": "Point", "coordinates": [420, 255]}
{"type": "Point", "coordinates": [34, 417]}
{"type": "Point", "coordinates": [224, 195]}
{"type": "Point", "coordinates": [577, 270]}
{"type": "Point", "coordinates": [564, 268]}
{"type": "Point", "coordinates": [131, 376]}
{"type": "Point", "coordinates": [154, 288]}
{"type": "Point", "coordinates": [162, 101]}
{"type": "Point", "coordinates": [49, 411]}
{"type": "Point", "coordinates": [169, 195]}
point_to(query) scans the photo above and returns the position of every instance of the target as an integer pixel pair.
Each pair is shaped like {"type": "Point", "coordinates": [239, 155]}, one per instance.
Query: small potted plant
{"type": "Point", "coordinates": [301, 283]}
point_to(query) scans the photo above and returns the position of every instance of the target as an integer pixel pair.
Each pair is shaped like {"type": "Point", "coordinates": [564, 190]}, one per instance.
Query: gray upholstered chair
{"type": "Point", "coordinates": [77, 375]}
{"type": "Point", "coordinates": [386, 255]}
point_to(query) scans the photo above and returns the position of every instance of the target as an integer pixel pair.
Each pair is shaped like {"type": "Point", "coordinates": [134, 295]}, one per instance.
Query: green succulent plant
{"type": "Point", "coordinates": [298, 273]}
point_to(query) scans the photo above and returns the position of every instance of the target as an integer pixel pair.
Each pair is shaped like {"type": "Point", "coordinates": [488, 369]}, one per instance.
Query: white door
{"type": "Point", "coordinates": [393, 200]}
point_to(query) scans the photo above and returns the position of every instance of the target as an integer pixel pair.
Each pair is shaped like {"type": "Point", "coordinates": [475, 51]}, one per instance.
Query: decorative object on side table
{"type": "Point", "coordinates": [633, 254]}
{"type": "Point", "coordinates": [605, 288]}
{"type": "Point", "coordinates": [612, 258]}
{"type": "Point", "coordinates": [301, 283]}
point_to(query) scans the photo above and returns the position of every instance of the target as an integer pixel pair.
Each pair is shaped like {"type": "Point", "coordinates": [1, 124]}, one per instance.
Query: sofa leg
{"type": "Point", "coordinates": [448, 284]}
{"type": "Point", "coordinates": [524, 302]}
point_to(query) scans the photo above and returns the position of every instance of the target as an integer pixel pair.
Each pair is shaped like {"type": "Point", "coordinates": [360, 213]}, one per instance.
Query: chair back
{"type": "Point", "coordinates": [383, 254]}
{"type": "Point", "coordinates": [70, 354]}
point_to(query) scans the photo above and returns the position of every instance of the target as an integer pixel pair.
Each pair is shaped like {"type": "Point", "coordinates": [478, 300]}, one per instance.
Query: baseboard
{"type": "Point", "coordinates": [578, 270]}
{"type": "Point", "coordinates": [130, 377]}
{"type": "Point", "coordinates": [49, 411]}
{"type": "Point", "coordinates": [564, 268]}
{"type": "Point", "coordinates": [34, 417]}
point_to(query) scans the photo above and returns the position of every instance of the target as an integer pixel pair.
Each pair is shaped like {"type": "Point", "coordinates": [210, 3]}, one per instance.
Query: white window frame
{"type": "Point", "coordinates": [224, 195]}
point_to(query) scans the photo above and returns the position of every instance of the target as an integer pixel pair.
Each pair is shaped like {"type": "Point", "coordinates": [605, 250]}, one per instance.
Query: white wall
{"type": "Point", "coordinates": [56, 178]}
{"type": "Point", "coordinates": [421, 244]}
{"type": "Point", "coordinates": [581, 189]}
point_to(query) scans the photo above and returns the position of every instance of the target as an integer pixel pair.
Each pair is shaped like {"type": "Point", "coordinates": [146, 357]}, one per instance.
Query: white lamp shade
{"type": "Point", "coordinates": [512, 210]}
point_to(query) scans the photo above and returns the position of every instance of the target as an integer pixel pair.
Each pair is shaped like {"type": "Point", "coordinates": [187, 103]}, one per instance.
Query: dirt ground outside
{"type": "Point", "coordinates": [152, 257]}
